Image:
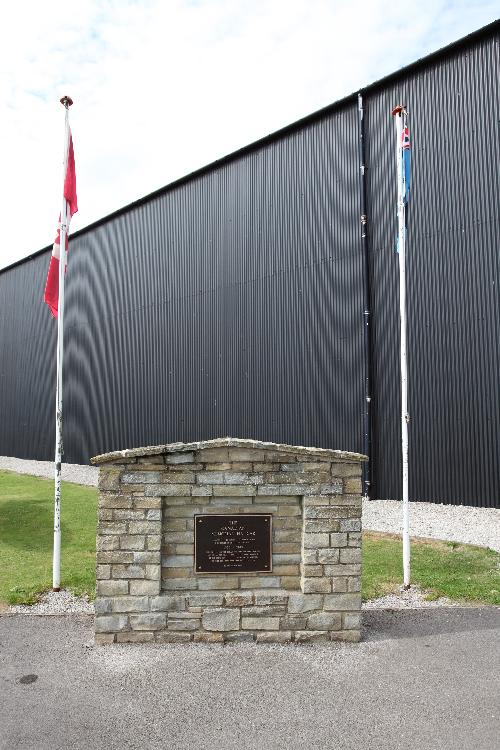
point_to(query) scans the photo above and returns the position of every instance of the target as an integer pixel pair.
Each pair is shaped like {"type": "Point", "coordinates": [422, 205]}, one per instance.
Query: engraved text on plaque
{"type": "Point", "coordinates": [237, 543]}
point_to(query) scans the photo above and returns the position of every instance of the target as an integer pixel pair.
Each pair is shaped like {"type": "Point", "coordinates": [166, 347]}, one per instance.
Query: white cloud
{"type": "Point", "coordinates": [161, 88]}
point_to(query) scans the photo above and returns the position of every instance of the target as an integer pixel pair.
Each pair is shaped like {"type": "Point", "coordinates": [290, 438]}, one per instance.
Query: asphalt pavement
{"type": "Point", "coordinates": [426, 679]}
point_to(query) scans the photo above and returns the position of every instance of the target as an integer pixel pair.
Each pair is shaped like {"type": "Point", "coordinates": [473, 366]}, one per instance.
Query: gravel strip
{"type": "Point", "coordinates": [55, 603]}
{"type": "Point", "coordinates": [75, 473]}
{"type": "Point", "coordinates": [453, 523]}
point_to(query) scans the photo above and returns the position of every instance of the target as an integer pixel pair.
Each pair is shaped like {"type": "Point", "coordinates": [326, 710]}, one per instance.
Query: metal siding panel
{"type": "Point", "coordinates": [233, 303]}
{"type": "Point", "coordinates": [453, 304]}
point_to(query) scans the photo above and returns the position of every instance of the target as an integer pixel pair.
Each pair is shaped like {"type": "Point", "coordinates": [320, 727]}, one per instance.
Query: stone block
{"type": "Point", "coordinates": [147, 503]}
{"type": "Point", "coordinates": [175, 524]}
{"type": "Point", "coordinates": [179, 537]}
{"type": "Point", "coordinates": [148, 621]}
{"type": "Point", "coordinates": [316, 585]}
{"type": "Point", "coordinates": [239, 637]}
{"type": "Point", "coordinates": [314, 541]}
{"type": "Point", "coordinates": [279, 636]}
{"type": "Point", "coordinates": [310, 556]}
{"type": "Point", "coordinates": [221, 619]}
{"type": "Point", "coordinates": [260, 582]}
{"type": "Point", "coordinates": [128, 515]}
{"type": "Point", "coordinates": [111, 527]}
{"type": "Point", "coordinates": [153, 542]}
{"type": "Point", "coordinates": [143, 527]}
{"type": "Point", "coordinates": [107, 543]}
{"type": "Point", "coordinates": [177, 572]}
{"type": "Point", "coordinates": [350, 524]}
{"type": "Point", "coordinates": [168, 490]}
{"type": "Point", "coordinates": [320, 525]}
{"type": "Point", "coordinates": [312, 571]}
{"type": "Point", "coordinates": [168, 603]}
{"type": "Point", "coordinates": [114, 501]}
{"type": "Point", "coordinates": [270, 597]}
{"type": "Point", "coordinates": [330, 555]}
{"type": "Point", "coordinates": [339, 585]}
{"type": "Point", "coordinates": [286, 570]}
{"type": "Point", "coordinates": [354, 584]}
{"type": "Point", "coordinates": [217, 583]}
{"type": "Point", "coordinates": [179, 584]}
{"type": "Point", "coordinates": [238, 598]}
{"type": "Point", "coordinates": [205, 599]}
{"type": "Point", "coordinates": [204, 491]}
{"type": "Point", "coordinates": [178, 561]}
{"type": "Point", "coordinates": [178, 623]}
{"type": "Point", "coordinates": [153, 514]}
{"type": "Point", "coordinates": [324, 621]}
{"type": "Point", "coordinates": [234, 490]}
{"type": "Point", "coordinates": [354, 539]}
{"type": "Point", "coordinates": [307, 466]}
{"type": "Point", "coordinates": [352, 486]}
{"type": "Point", "coordinates": [135, 637]}
{"type": "Point", "coordinates": [260, 623]}
{"type": "Point", "coordinates": [351, 620]}
{"type": "Point", "coordinates": [343, 470]}
{"type": "Point", "coordinates": [140, 588]}
{"type": "Point", "coordinates": [103, 572]}
{"type": "Point", "coordinates": [166, 636]}
{"type": "Point", "coordinates": [103, 639]}
{"type": "Point", "coordinates": [141, 477]}
{"type": "Point", "coordinates": [349, 555]}
{"type": "Point", "coordinates": [246, 454]}
{"type": "Point", "coordinates": [109, 479]}
{"type": "Point", "coordinates": [129, 603]}
{"type": "Point", "coordinates": [298, 603]}
{"type": "Point", "coordinates": [136, 542]}
{"type": "Point", "coordinates": [111, 588]}
{"type": "Point", "coordinates": [128, 571]}
{"type": "Point", "coordinates": [180, 458]}
{"type": "Point", "coordinates": [102, 606]}
{"type": "Point", "coordinates": [311, 636]}
{"type": "Point", "coordinates": [347, 636]}
{"type": "Point", "coordinates": [338, 540]}
{"type": "Point", "coordinates": [341, 602]}
{"type": "Point", "coordinates": [110, 623]}
{"type": "Point", "coordinates": [114, 556]}
{"type": "Point", "coordinates": [208, 638]}
{"type": "Point", "coordinates": [293, 622]}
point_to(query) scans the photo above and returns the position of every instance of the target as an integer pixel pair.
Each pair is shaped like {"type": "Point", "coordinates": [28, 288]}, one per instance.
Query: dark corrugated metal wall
{"type": "Point", "coordinates": [232, 304]}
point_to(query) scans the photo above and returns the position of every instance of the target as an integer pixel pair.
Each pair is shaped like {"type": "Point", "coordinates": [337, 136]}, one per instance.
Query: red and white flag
{"type": "Point", "coordinates": [51, 295]}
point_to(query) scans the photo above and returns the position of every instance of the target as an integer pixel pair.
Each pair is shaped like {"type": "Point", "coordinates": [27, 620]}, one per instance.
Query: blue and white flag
{"type": "Point", "coordinates": [405, 163]}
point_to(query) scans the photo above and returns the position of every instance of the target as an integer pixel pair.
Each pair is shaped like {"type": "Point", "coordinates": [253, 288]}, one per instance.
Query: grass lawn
{"type": "Point", "coordinates": [26, 534]}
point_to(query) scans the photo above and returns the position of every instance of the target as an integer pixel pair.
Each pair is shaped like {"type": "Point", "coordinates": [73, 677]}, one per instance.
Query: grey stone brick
{"type": "Point", "coordinates": [342, 602]}
{"type": "Point", "coordinates": [350, 524]}
{"type": "Point", "coordinates": [280, 636]}
{"type": "Point", "coordinates": [316, 585]}
{"type": "Point", "coordinates": [328, 555]}
{"type": "Point", "coordinates": [129, 603]}
{"type": "Point", "coordinates": [234, 490]}
{"type": "Point", "coordinates": [324, 621]}
{"type": "Point", "coordinates": [313, 541]}
{"type": "Point", "coordinates": [178, 561]}
{"type": "Point", "coordinates": [260, 623]}
{"type": "Point", "coordinates": [136, 542]}
{"type": "Point", "coordinates": [350, 555]}
{"type": "Point", "coordinates": [298, 603]}
{"type": "Point", "coordinates": [111, 588]}
{"type": "Point", "coordinates": [143, 527]}
{"type": "Point", "coordinates": [205, 599]}
{"type": "Point", "coordinates": [238, 598]}
{"type": "Point", "coordinates": [128, 571]}
{"type": "Point", "coordinates": [148, 621]}
{"type": "Point", "coordinates": [180, 458]}
{"type": "Point", "coordinates": [311, 636]}
{"type": "Point", "coordinates": [166, 636]}
{"type": "Point", "coordinates": [177, 623]}
{"type": "Point", "coordinates": [168, 490]}
{"type": "Point", "coordinates": [139, 588]}
{"type": "Point", "coordinates": [351, 620]}
{"type": "Point", "coordinates": [168, 603]}
{"type": "Point", "coordinates": [110, 623]}
{"type": "Point", "coordinates": [221, 619]}
{"type": "Point", "coordinates": [141, 477]}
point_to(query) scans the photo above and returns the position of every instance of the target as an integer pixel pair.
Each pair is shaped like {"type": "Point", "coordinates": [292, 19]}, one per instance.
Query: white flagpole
{"type": "Point", "coordinates": [56, 559]}
{"type": "Point", "coordinates": [398, 113]}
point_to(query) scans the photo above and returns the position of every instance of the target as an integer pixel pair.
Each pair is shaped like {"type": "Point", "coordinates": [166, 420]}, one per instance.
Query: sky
{"type": "Point", "coordinates": [161, 88]}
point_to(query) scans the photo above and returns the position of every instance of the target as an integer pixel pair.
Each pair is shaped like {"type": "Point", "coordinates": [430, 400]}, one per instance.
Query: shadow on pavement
{"type": "Point", "coordinates": [381, 625]}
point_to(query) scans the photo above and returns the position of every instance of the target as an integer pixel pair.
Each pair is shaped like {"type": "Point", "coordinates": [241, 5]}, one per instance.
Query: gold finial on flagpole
{"type": "Point", "coordinates": [66, 101]}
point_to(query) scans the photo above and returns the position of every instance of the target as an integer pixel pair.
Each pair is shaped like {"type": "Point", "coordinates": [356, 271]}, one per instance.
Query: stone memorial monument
{"type": "Point", "coordinates": [228, 540]}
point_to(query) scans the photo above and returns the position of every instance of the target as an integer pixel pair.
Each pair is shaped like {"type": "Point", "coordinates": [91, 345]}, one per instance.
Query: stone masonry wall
{"type": "Point", "coordinates": [147, 589]}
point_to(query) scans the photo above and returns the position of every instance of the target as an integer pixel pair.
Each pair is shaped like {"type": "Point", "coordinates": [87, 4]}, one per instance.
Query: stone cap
{"type": "Point", "coordinates": [228, 442]}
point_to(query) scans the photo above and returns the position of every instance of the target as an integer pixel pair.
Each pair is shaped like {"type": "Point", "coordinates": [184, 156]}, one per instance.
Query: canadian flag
{"type": "Point", "coordinates": [51, 295]}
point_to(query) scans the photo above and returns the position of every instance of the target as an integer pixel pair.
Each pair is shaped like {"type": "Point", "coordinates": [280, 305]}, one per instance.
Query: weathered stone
{"type": "Point", "coordinates": [350, 524]}
{"type": "Point", "coordinates": [221, 619]}
{"type": "Point", "coordinates": [338, 540]}
{"type": "Point", "coordinates": [128, 515]}
{"type": "Point", "coordinates": [324, 621]}
{"type": "Point", "coordinates": [103, 572]}
{"type": "Point", "coordinates": [109, 479]}
{"type": "Point", "coordinates": [351, 620]}
{"type": "Point", "coordinates": [143, 527]}
{"type": "Point", "coordinates": [114, 556]}
{"type": "Point", "coordinates": [234, 490]}
{"type": "Point", "coordinates": [112, 527]}
{"type": "Point", "coordinates": [316, 585]}
{"type": "Point", "coordinates": [148, 621]}
{"type": "Point", "coordinates": [320, 525]}
{"type": "Point", "coordinates": [311, 636]}
{"type": "Point", "coordinates": [176, 477]}
{"type": "Point", "coordinates": [260, 623]}
{"type": "Point", "coordinates": [201, 491]}
{"type": "Point", "coordinates": [340, 602]}
{"type": "Point", "coordinates": [208, 638]}
{"type": "Point", "coordinates": [139, 588]}
{"type": "Point", "coordinates": [313, 541]}
{"type": "Point", "coordinates": [218, 583]}
{"type": "Point", "coordinates": [110, 623]}
{"type": "Point", "coordinates": [239, 637]}
{"type": "Point", "coordinates": [328, 555]}
{"type": "Point", "coordinates": [102, 606]}
{"type": "Point", "coordinates": [280, 636]}
{"type": "Point", "coordinates": [133, 542]}
{"type": "Point", "coordinates": [180, 458]}
{"type": "Point", "coordinates": [351, 636]}
{"type": "Point", "coordinates": [343, 570]}
{"type": "Point", "coordinates": [168, 603]}
{"type": "Point", "coordinates": [128, 571]}
{"type": "Point", "coordinates": [153, 542]}
{"type": "Point", "coordinates": [351, 486]}
{"type": "Point", "coordinates": [354, 584]}
{"type": "Point", "coordinates": [261, 582]}
{"type": "Point", "coordinates": [205, 599]}
{"type": "Point", "coordinates": [111, 588]}
{"type": "Point", "coordinates": [350, 555]}
{"type": "Point", "coordinates": [298, 603]}
{"type": "Point", "coordinates": [103, 639]}
{"type": "Point", "coordinates": [310, 556]}
{"type": "Point", "coordinates": [177, 561]}
{"type": "Point", "coordinates": [153, 514]}
{"type": "Point", "coordinates": [107, 542]}
{"type": "Point", "coordinates": [129, 603]}
{"type": "Point", "coordinates": [141, 477]}
{"type": "Point", "coordinates": [135, 637]}
{"type": "Point", "coordinates": [178, 623]}
{"type": "Point", "coordinates": [168, 490]}
{"type": "Point", "coordinates": [339, 584]}
{"type": "Point", "coordinates": [238, 598]}
{"type": "Point", "coordinates": [293, 622]}
{"type": "Point", "coordinates": [172, 637]}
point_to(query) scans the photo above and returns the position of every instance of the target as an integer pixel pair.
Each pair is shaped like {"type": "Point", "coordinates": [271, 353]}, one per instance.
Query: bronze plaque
{"type": "Point", "coordinates": [236, 543]}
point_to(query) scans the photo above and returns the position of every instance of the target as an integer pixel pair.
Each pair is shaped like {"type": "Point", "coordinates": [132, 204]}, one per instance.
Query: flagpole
{"type": "Point", "coordinates": [399, 113]}
{"type": "Point", "coordinates": [56, 559]}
